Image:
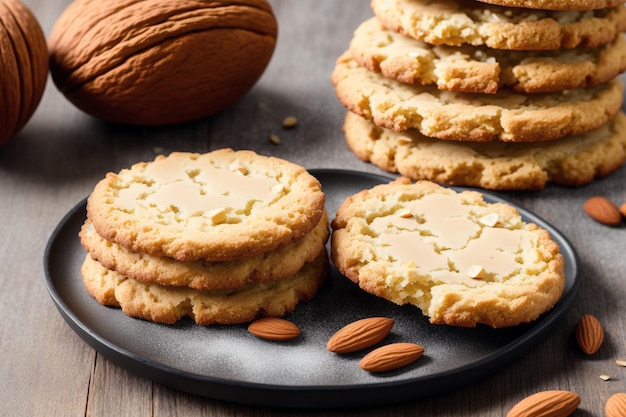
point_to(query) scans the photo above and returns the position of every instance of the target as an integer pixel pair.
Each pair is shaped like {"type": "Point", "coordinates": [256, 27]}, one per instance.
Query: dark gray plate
{"type": "Point", "coordinates": [228, 363]}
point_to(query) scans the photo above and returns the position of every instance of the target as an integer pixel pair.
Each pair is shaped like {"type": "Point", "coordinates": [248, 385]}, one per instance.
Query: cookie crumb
{"type": "Point", "coordinates": [275, 139]}
{"type": "Point", "coordinates": [289, 122]}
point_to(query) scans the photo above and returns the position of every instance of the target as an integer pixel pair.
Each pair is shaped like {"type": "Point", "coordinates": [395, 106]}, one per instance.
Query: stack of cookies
{"type": "Point", "coordinates": [223, 237]}
{"type": "Point", "coordinates": [508, 95]}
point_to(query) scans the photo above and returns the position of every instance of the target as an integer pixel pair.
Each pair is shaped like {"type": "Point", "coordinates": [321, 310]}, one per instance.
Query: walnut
{"type": "Point", "coordinates": [24, 68]}
{"type": "Point", "coordinates": [153, 62]}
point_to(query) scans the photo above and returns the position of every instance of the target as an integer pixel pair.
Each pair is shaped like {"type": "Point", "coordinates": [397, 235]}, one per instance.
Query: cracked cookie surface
{"type": "Point", "coordinates": [462, 261]}
{"type": "Point", "coordinates": [217, 206]}
{"type": "Point", "coordinates": [505, 116]}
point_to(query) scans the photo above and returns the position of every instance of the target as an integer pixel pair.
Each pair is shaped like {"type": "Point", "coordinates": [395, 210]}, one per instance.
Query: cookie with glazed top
{"type": "Point", "coordinates": [571, 161]}
{"type": "Point", "coordinates": [480, 69]}
{"type": "Point", "coordinates": [460, 22]}
{"type": "Point", "coordinates": [218, 206]}
{"type": "Point", "coordinates": [461, 260]}
{"type": "Point", "coordinates": [168, 305]}
{"type": "Point", "coordinates": [269, 266]}
{"type": "Point", "coordinates": [505, 116]}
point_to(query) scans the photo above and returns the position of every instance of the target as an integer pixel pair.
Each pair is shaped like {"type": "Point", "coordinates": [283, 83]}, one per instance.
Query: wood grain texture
{"type": "Point", "coordinates": [47, 370]}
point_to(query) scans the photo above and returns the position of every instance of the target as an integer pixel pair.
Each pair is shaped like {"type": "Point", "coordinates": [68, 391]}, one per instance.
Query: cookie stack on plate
{"type": "Point", "coordinates": [510, 95]}
{"type": "Point", "coordinates": [223, 237]}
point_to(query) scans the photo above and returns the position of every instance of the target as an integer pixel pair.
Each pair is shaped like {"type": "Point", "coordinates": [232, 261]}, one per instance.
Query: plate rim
{"type": "Point", "coordinates": [310, 396]}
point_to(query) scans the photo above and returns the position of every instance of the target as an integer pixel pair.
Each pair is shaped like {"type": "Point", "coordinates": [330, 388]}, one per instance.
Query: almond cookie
{"type": "Point", "coordinates": [458, 22]}
{"type": "Point", "coordinates": [163, 304]}
{"type": "Point", "coordinates": [557, 4]}
{"type": "Point", "coordinates": [203, 275]}
{"type": "Point", "coordinates": [505, 116]}
{"type": "Point", "coordinates": [571, 161]}
{"type": "Point", "coordinates": [459, 259]}
{"type": "Point", "coordinates": [218, 206]}
{"type": "Point", "coordinates": [480, 69]}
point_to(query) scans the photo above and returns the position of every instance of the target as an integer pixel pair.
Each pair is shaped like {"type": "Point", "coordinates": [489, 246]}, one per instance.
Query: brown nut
{"type": "Point", "coordinates": [602, 210]}
{"type": "Point", "coordinates": [552, 403]}
{"type": "Point", "coordinates": [589, 334]}
{"type": "Point", "coordinates": [23, 68]}
{"type": "Point", "coordinates": [154, 62]}
{"type": "Point", "coordinates": [274, 328]}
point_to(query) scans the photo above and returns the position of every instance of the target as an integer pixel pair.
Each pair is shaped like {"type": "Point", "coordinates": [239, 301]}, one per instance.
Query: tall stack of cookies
{"type": "Point", "coordinates": [223, 237]}
{"type": "Point", "coordinates": [498, 94]}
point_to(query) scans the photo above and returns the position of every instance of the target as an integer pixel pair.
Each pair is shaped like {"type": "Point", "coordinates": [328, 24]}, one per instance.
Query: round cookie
{"type": "Point", "coordinates": [505, 116]}
{"type": "Point", "coordinates": [162, 304]}
{"type": "Point", "coordinates": [557, 4]}
{"type": "Point", "coordinates": [460, 260]}
{"type": "Point", "coordinates": [571, 161]}
{"type": "Point", "coordinates": [218, 206]}
{"type": "Point", "coordinates": [480, 69]}
{"type": "Point", "coordinates": [203, 275]}
{"type": "Point", "coordinates": [458, 22]}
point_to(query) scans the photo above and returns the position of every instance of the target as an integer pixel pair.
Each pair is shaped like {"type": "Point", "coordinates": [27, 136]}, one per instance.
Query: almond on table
{"type": "Point", "coordinates": [616, 405]}
{"type": "Point", "coordinates": [589, 334]}
{"type": "Point", "coordinates": [553, 403]}
{"type": "Point", "coordinates": [603, 210]}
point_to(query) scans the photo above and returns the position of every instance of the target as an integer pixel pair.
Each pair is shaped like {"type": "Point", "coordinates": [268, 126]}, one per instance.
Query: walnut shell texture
{"type": "Point", "coordinates": [23, 67]}
{"type": "Point", "coordinates": [155, 62]}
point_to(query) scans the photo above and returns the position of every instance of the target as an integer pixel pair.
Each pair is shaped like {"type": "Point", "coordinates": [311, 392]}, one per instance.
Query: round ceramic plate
{"type": "Point", "coordinates": [229, 363]}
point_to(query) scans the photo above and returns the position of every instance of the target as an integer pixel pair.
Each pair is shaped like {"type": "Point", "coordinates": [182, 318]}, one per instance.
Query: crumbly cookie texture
{"type": "Point", "coordinates": [163, 304]}
{"type": "Point", "coordinates": [557, 4]}
{"type": "Point", "coordinates": [571, 161]}
{"type": "Point", "coordinates": [458, 22]}
{"type": "Point", "coordinates": [505, 116]}
{"type": "Point", "coordinates": [218, 206]}
{"type": "Point", "coordinates": [480, 69]}
{"type": "Point", "coordinates": [459, 259]}
{"type": "Point", "coordinates": [202, 275]}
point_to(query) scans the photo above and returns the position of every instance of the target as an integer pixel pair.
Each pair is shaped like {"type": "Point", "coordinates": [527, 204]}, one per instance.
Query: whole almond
{"type": "Point", "coordinates": [360, 334]}
{"type": "Point", "coordinates": [273, 328]}
{"type": "Point", "coordinates": [589, 334]}
{"type": "Point", "coordinates": [554, 403]}
{"type": "Point", "coordinates": [602, 210]}
{"type": "Point", "coordinates": [616, 405]}
{"type": "Point", "coordinates": [392, 356]}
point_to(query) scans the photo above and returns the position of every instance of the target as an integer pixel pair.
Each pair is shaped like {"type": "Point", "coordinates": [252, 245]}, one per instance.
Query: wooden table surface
{"type": "Point", "coordinates": [47, 370]}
